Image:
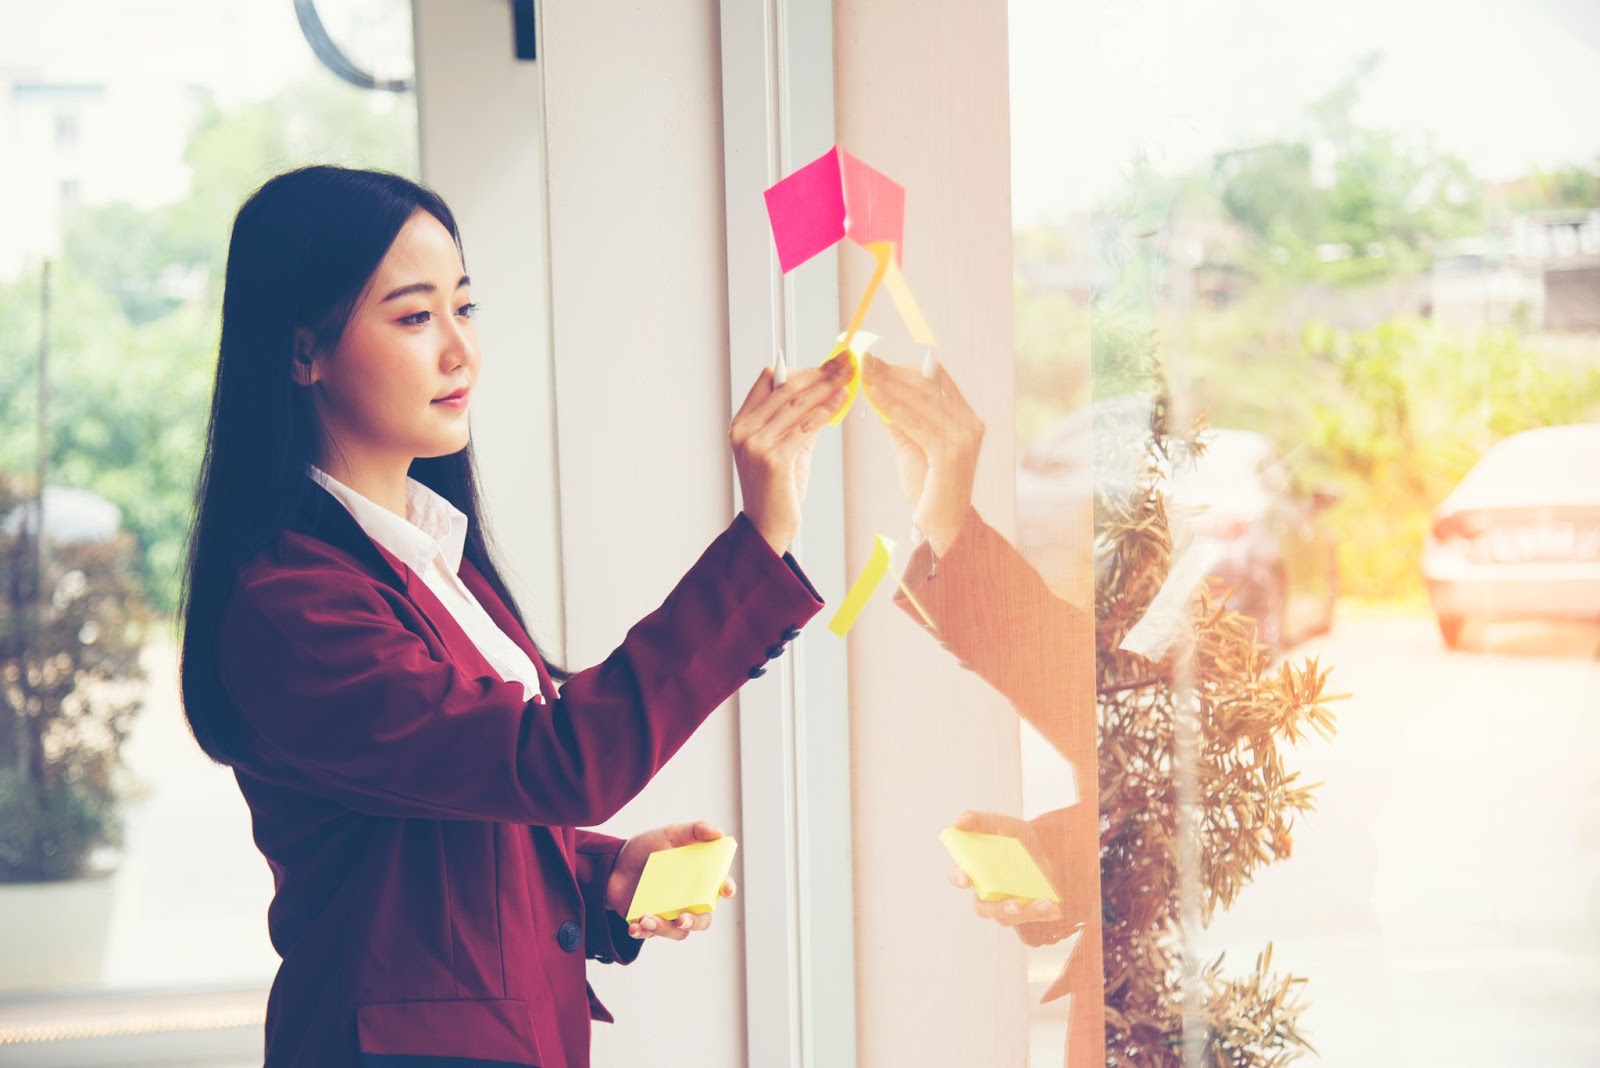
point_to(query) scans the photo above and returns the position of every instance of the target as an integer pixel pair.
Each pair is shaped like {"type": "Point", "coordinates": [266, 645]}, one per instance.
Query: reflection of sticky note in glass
{"type": "Point", "coordinates": [875, 205]}
{"type": "Point", "coordinates": [906, 305]}
{"type": "Point", "coordinates": [999, 866]}
{"type": "Point", "coordinates": [685, 879]}
{"type": "Point", "coordinates": [861, 590]}
{"type": "Point", "coordinates": [833, 196]}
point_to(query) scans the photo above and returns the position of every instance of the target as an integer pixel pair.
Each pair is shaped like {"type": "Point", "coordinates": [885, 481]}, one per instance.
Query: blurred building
{"type": "Point", "coordinates": [81, 142]}
{"type": "Point", "coordinates": [1539, 270]}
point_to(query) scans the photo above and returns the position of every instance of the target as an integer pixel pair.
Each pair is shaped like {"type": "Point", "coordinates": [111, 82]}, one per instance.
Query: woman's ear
{"type": "Point", "coordinates": [306, 369]}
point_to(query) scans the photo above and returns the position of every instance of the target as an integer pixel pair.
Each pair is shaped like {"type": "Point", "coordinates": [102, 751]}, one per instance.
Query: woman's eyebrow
{"type": "Point", "coordinates": [421, 287]}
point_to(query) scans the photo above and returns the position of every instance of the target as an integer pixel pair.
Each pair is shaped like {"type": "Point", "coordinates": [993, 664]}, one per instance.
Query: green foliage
{"type": "Point", "coordinates": [1373, 207]}
{"type": "Point", "coordinates": [1213, 712]}
{"type": "Point", "coordinates": [70, 685]}
{"type": "Point", "coordinates": [127, 410]}
{"type": "Point", "coordinates": [1412, 408]}
{"type": "Point", "coordinates": [1194, 794]}
{"type": "Point", "coordinates": [135, 309]}
{"type": "Point", "coordinates": [1566, 188]}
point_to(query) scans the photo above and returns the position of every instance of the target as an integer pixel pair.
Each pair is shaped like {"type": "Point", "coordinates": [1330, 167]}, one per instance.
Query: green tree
{"type": "Point", "coordinates": [136, 312]}
{"type": "Point", "coordinates": [1375, 200]}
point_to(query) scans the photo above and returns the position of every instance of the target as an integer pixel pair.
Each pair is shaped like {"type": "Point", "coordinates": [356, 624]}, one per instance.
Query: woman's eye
{"type": "Point", "coordinates": [418, 319]}
{"type": "Point", "coordinates": [467, 311]}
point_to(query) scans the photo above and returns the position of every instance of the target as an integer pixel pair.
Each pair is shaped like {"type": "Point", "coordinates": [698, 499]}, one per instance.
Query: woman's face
{"type": "Point", "coordinates": [397, 386]}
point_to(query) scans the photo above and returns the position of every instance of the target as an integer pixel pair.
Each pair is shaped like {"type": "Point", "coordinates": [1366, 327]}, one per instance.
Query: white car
{"type": "Point", "coordinates": [1519, 538]}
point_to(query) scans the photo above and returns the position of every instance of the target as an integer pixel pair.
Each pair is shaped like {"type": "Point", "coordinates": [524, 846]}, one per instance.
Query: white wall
{"type": "Point", "coordinates": [639, 297]}
{"type": "Point", "coordinates": [475, 105]}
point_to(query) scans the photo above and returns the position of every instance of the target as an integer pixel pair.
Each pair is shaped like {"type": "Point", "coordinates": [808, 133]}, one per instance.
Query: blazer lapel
{"type": "Point", "coordinates": [321, 516]}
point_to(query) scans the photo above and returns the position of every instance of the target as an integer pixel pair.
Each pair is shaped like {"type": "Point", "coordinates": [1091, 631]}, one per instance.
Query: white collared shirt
{"type": "Point", "coordinates": [430, 541]}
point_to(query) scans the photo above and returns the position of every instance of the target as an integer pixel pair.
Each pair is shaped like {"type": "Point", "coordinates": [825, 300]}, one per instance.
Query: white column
{"type": "Point", "coordinates": [482, 147]}
{"type": "Point", "coordinates": [639, 294]}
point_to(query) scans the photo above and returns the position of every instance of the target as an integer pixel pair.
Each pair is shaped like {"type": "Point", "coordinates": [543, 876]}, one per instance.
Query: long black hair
{"type": "Point", "coordinates": [303, 250]}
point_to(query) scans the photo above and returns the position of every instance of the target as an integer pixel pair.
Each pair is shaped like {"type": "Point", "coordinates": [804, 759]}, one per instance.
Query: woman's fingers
{"type": "Point", "coordinates": [760, 390]}
{"type": "Point", "coordinates": [776, 398]}
{"type": "Point", "coordinates": [909, 401]}
{"type": "Point", "coordinates": [991, 823]}
{"type": "Point", "coordinates": [815, 399]}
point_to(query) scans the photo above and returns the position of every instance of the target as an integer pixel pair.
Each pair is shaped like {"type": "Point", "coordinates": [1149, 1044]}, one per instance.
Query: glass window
{"type": "Point", "coordinates": [132, 899]}
{"type": "Point", "coordinates": [1337, 261]}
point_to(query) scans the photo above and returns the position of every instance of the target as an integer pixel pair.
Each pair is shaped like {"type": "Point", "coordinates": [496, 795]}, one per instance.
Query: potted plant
{"type": "Point", "coordinates": [71, 623]}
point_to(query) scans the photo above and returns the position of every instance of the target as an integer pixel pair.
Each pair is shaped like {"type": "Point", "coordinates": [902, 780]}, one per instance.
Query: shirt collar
{"type": "Point", "coordinates": [432, 526]}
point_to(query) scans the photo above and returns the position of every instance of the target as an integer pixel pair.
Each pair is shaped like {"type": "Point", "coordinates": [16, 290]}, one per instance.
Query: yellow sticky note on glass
{"type": "Point", "coordinates": [860, 343]}
{"type": "Point", "coordinates": [684, 879]}
{"type": "Point", "coordinates": [861, 590]}
{"type": "Point", "coordinates": [999, 866]}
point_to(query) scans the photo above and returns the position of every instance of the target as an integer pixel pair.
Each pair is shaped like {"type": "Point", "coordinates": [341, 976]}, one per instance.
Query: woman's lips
{"type": "Point", "coordinates": [454, 400]}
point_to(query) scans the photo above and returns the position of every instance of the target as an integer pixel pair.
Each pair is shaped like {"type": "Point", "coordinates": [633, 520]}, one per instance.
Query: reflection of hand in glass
{"type": "Point", "coordinates": [1008, 913]}
{"type": "Point", "coordinates": [936, 437]}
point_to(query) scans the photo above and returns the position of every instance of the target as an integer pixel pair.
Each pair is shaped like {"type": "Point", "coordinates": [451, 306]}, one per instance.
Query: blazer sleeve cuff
{"type": "Point", "coordinates": [605, 934]}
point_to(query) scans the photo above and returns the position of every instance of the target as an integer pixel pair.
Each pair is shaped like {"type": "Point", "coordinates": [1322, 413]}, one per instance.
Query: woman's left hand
{"type": "Point", "coordinates": [630, 866]}
{"type": "Point", "coordinates": [936, 437]}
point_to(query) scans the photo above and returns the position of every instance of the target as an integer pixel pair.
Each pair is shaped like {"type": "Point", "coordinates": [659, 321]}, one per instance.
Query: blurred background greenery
{"type": "Point", "coordinates": [135, 304]}
{"type": "Point", "coordinates": [1304, 293]}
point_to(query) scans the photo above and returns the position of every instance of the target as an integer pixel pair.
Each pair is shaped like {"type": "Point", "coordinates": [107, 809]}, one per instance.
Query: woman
{"type": "Point", "coordinates": [351, 651]}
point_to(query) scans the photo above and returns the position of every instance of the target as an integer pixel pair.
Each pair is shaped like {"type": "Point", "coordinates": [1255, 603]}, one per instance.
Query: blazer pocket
{"type": "Point", "coordinates": [477, 1033]}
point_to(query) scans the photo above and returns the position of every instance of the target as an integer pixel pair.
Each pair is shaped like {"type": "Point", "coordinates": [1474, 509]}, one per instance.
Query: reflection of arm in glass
{"type": "Point", "coordinates": [993, 611]}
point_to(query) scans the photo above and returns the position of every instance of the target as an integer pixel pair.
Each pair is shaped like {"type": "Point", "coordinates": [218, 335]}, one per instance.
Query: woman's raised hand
{"type": "Point", "coordinates": [936, 437]}
{"type": "Point", "coordinates": [772, 435]}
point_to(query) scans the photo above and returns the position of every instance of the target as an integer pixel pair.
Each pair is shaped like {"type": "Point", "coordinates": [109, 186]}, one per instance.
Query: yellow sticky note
{"type": "Point", "coordinates": [685, 879]}
{"type": "Point", "coordinates": [860, 344]}
{"type": "Point", "coordinates": [999, 866]}
{"type": "Point", "coordinates": [883, 254]}
{"type": "Point", "coordinates": [861, 590]}
{"type": "Point", "coordinates": [906, 305]}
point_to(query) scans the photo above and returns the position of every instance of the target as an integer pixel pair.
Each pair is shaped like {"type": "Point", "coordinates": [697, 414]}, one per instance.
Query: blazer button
{"type": "Point", "coordinates": [569, 936]}
{"type": "Point", "coordinates": [791, 633]}
{"type": "Point", "coordinates": [757, 671]}
{"type": "Point", "coordinates": [774, 651]}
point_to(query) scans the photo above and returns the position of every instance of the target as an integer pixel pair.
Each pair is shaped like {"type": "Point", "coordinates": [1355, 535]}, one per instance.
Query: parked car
{"type": "Point", "coordinates": [1276, 560]}
{"type": "Point", "coordinates": [1519, 537]}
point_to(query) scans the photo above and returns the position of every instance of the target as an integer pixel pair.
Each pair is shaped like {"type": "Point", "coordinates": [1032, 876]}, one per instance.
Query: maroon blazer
{"type": "Point", "coordinates": [434, 904]}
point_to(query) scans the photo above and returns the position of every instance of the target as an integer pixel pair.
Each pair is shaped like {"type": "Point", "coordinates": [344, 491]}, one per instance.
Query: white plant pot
{"type": "Point", "coordinates": [54, 933]}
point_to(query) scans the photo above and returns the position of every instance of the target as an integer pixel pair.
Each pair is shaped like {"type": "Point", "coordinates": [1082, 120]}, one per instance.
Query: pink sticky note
{"type": "Point", "coordinates": [874, 204]}
{"type": "Point", "coordinates": [832, 197]}
{"type": "Point", "coordinates": [807, 210]}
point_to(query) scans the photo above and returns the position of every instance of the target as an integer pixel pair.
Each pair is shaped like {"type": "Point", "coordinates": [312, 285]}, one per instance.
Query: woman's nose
{"type": "Point", "coordinates": [460, 347]}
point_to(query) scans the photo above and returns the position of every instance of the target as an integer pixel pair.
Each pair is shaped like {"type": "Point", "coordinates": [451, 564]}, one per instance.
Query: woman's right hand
{"type": "Point", "coordinates": [772, 435]}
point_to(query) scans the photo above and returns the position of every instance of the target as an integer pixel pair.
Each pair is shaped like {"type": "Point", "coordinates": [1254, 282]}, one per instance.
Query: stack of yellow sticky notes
{"type": "Point", "coordinates": [999, 866]}
{"type": "Point", "coordinates": [685, 879]}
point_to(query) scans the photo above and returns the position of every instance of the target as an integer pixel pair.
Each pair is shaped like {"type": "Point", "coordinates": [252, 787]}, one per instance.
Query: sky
{"type": "Point", "coordinates": [1506, 84]}
{"type": "Point", "coordinates": [1501, 82]}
